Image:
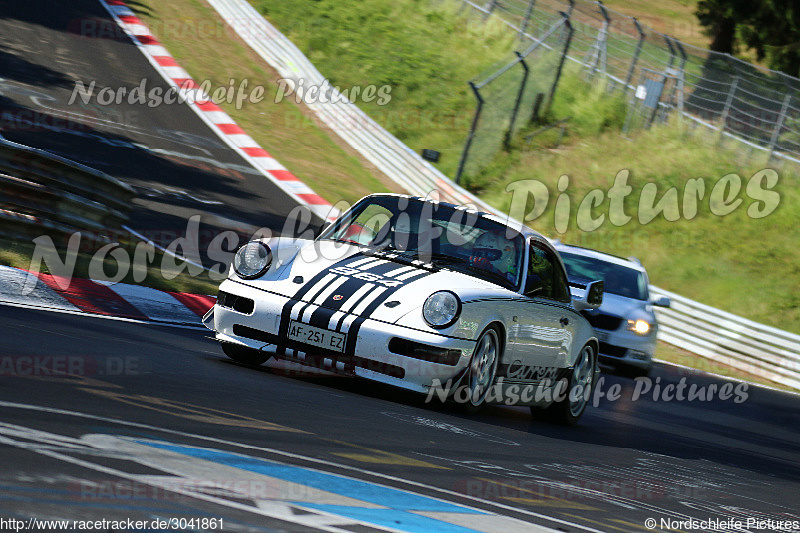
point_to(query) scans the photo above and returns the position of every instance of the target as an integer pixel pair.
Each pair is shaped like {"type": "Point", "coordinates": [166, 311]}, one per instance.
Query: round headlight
{"type": "Point", "coordinates": [252, 260]}
{"type": "Point", "coordinates": [441, 309]}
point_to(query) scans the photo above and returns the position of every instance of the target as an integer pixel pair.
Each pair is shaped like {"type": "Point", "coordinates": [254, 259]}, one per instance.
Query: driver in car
{"type": "Point", "coordinates": [494, 253]}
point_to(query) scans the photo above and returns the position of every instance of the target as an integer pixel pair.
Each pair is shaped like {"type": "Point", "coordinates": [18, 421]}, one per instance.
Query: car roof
{"type": "Point", "coordinates": [600, 256]}
{"type": "Point", "coordinates": [524, 230]}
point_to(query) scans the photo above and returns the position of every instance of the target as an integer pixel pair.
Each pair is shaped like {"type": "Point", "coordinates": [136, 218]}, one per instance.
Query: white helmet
{"type": "Point", "coordinates": [500, 252]}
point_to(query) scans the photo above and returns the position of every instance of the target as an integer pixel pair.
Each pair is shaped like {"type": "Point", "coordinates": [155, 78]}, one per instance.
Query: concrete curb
{"type": "Point", "coordinates": [118, 300]}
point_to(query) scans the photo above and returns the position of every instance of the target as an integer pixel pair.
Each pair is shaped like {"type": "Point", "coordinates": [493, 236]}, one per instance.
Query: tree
{"type": "Point", "coordinates": [773, 31]}
{"type": "Point", "coordinates": [770, 27]}
{"type": "Point", "coordinates": [719, 18]}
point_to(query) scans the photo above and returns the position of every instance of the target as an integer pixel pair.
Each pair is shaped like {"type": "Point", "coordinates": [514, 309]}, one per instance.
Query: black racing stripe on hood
{"type": "Point", "coordinates": [349, 287]}
{"type": "Point", "coordinates": [352, 334]}
{"type": "Point", "coordinates": [283, 328]}
{"type": "Point", "coordinates": [321, 317]}
{"type": "Point", "coordinates": [304, 290]}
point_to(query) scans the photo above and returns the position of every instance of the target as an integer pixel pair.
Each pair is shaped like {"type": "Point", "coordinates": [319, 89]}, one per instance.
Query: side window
{"type": "Point", "coordinates": [546, 278]}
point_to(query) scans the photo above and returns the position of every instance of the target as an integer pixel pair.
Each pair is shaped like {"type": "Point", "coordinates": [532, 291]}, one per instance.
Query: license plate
{"type": "Point", "coordinates": [602, 336]}
{"type": "Point", "coordinates": [319, 337]}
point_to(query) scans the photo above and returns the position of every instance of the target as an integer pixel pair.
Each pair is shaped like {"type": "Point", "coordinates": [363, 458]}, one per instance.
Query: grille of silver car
{"type": "Point", "coordinates": [603, 321]}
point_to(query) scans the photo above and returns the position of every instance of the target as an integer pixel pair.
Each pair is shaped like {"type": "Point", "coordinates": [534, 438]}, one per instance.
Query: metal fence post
{"type": "Point", "coordinates": [681, 77]}
{"type": "Point", "coordinates": [490, 8]}
{"type": "Point", "coordinates": [569, 16]}
{"type": "Point", "coordinates": [570, 31]}
{"type": "Point", "coordinates": [471, 135]}
{"type": "Point", "coordinates": [526, 21]}
{"type": "Point", "coordinates": [598, 54]}
{"type": "Point", "coordinates": [779, 126]}
{"type": "Point", "coordinates": [603, 59]}
{"type": "Point", "coordinates": [510, 132]}
{"type": "Point", "coordinates": [636, 54]}
{"type": "Point", "coordinates": [663, 80]}
{"type": "Point", "coordinates": [728, 103]}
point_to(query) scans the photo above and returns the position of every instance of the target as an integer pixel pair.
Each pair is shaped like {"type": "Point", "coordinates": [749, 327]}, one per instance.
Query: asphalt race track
{"type": "Point", "coordinates": [177, 164]}
{"type": "Point", "coordinates": [90, 403]}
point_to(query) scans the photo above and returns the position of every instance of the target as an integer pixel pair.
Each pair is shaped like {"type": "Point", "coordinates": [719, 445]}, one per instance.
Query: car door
{"type": "Point", "coordinates": [546, 323]}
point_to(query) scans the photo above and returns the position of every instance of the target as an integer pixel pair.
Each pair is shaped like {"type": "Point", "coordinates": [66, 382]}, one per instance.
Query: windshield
{"type": "Point", "coordinates": [618, 279]}
{"type": "Point", "coordinates": [441, 234]}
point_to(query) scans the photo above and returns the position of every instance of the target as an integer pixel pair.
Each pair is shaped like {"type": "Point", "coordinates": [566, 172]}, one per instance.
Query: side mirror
{"type": "Point", "coordinates": [592, 297]}
{"type": "Point", "coordinates": [325, 225]}
{"type": "Point", "coordinates": [533, 285]}
{"type": "Point", "coordinates": [662, 302]}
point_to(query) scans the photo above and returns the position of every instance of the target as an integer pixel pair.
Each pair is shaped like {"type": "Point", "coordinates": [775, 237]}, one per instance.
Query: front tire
{"type": "Point", "coordinates": [245, 355]}
{"type": "Point", "coordinates": [579, 388]}
{"type": "Point", "coordinates": [482, 369]}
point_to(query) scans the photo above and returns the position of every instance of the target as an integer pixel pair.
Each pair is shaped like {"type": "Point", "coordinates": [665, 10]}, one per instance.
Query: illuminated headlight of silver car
{"type": "Point", "coordinates": [441, 309]}
{"type": "Point", "coordinates": [252, 260]}
{"type": "Point", "coordinates": [640, 327]}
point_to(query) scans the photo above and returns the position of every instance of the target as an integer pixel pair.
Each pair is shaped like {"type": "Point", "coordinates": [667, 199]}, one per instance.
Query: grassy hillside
{"type": "Point", "coordinates": [734, 262]}
{"type": "Point", "coordinates": [208, 50]}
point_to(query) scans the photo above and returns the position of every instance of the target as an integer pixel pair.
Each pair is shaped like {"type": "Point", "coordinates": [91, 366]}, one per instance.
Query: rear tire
{"type": "Point", "coordinates": [245, 355]}
{"type": "Point", "coordinates": [579, 388]}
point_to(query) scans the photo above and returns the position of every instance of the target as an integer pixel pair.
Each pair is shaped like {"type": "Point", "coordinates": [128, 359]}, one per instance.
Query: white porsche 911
{"type": "Point", "coordinates": [428, 296]}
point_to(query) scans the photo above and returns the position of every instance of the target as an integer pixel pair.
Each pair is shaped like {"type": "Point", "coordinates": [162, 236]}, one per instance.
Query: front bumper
{"type": "Point", "coordinates": [368, 355]}
{"type": "Point", "coordinates": [626, 347]}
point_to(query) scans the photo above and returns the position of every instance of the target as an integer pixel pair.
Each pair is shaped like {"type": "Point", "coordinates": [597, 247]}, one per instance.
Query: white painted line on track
{"type": "Point", "coordinates": [322, 462]}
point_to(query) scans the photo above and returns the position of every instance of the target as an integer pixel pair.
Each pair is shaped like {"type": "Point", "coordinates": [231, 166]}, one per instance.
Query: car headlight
{"type": "Point", "coordinates": [640, 327]}
{"type": "Point", "coordinates": [441, 309]}
{"type": "Point", "coordinates": [252, 260]}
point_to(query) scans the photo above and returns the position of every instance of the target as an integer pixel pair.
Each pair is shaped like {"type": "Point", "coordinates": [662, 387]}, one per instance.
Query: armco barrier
{"type": "Point", "coordinates": [370, 139]}
{"type": "Point", "coordinates": [40, 190]}
{"type": "Point", "coordinates": [754, 348]}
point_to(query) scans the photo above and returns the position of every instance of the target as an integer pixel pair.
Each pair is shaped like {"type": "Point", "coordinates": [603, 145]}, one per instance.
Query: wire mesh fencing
{"type": "Point", "coordinates": [514, 94]}
{"type": "Point", "coordinates": [663, 76]}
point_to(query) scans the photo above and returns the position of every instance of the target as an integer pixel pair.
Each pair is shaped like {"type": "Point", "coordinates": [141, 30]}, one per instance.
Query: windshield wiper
{"type": "Point", "coordinates": [407, 257]}
{"type": "Point", "coordinates": [446, 258]}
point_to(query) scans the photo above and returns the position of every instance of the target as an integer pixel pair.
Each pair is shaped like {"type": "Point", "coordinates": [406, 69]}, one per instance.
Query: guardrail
{"type": "Point", "coordinates": [751, 347]}
{"type": "Point", "coordinates": [370, 139]}
{"type": "Point", "coordinates": [760, 350]}
{"type": "Point", "coordinates": [40, 190]}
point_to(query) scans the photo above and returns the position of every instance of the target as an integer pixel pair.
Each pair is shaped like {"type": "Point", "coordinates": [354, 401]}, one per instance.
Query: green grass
{"type": "Point", "coordinates": [426, 51]}
{"type": "Point", "coordinates": [208, 49]}
{"type": "Point", "coordinates": [734, 262]}
{"type": "Point", "coordinates": [710, 258]}
{"type": "Point", "coordinates": [673, 354]}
